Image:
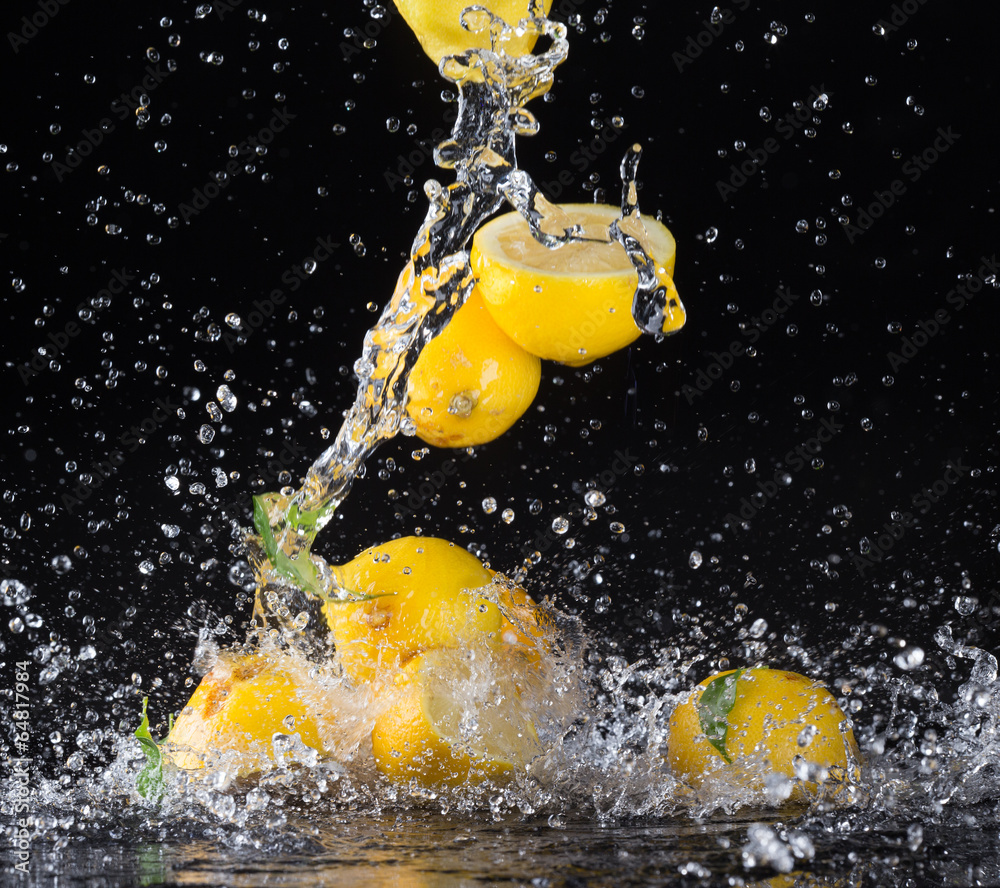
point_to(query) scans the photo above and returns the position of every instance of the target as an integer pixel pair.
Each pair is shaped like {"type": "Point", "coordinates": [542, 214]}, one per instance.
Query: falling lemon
{"type": "Point", "coordinates": [471, 382]}
{"type": "Point", "coordinates": [457, 720]}
{"type": "Point", "coordinates": [744, 717]}
{"type": "Point", "coordinates": [572, 303]}
{"type": "Point", "coordinates": [428, 594]}
{"type": "Point", "coordinates": [438, 25]}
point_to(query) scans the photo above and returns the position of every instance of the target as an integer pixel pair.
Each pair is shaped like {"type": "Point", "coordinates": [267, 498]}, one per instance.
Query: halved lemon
{"type": "Point", "coordinates": [472, 382]}
{"type": "Point", "coordinates": [459, 718]}
{"type": "Point", "coordinates": [573, 303]}
{"type": "Point", "coordinates": [438, 26]}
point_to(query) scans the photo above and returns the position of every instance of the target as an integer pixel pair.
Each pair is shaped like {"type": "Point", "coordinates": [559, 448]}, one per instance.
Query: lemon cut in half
{"type": "Point", "coordinates": [573, 303]}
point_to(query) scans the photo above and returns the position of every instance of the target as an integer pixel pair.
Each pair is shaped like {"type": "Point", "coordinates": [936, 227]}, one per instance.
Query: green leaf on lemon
{"type": "Point", "coordinates": [150, 782]}
{"type": "Point", "coordinates": [300, 570]}
{"type": "Point", "coordinates": [714, 706]}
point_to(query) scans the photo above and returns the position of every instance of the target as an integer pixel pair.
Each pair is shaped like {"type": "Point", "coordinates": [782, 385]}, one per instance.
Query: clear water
{"type": "Point", "coordinates": [917, 677]}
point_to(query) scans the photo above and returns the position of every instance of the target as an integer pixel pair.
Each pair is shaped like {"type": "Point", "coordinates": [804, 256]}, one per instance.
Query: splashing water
{"type": "Point", "coordinates": [493, 89]}
{"type": "Point", "coordinates": [604, 743]}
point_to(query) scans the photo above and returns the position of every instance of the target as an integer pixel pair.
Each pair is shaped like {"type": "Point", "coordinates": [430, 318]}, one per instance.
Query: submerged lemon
{"type": "Point", "coordinates": [456, 720]}
{"type": "Point", "coordinates": [427, 599]}
{"type": "Point", "coordinates": [743, 717]}
{"type": "Point", "coordinates": [439, 29]}
{"type": "Point", "coordinates": [471, 382]}
{"type": "Point", "coordinates": [240, 705]}
{"type": "Point", "coordinates": [573, 303]}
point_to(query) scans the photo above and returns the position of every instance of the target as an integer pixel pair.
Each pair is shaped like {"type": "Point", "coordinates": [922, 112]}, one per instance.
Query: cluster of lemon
{"type": "Point", "coordinates": [572, 304]}
{"type": "Point", "coordinates": [435, 634]}
{"type": "Point", "coordinates": [435, 640]}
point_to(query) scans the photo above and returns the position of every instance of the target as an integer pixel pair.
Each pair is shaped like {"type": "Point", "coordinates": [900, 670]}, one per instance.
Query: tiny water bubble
{"type": "Point", "coordinates": [507, 515]}
{"type": "Point", "coordinates": [695, 559]}
{"type": "Point", "coordinates": [909, 658]}
{"type": "Point", "coordinates": [489, 505]}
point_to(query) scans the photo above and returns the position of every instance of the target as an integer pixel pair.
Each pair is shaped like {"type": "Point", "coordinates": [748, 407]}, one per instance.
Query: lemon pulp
{"type": "Point", "coordinates": [571, 304]}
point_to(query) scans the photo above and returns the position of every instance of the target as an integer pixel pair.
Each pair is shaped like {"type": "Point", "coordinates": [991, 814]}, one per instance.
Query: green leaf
{"type": "Point", "coordinates": [714, 705]}
{"type": "Point", "coordinates": [262, 524]}
{"type": "Point", "coordinates": [150, 782]}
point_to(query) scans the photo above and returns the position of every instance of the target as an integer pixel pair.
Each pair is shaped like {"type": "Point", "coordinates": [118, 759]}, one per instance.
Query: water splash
{"type": "Point", "coordinates": [493, 90]}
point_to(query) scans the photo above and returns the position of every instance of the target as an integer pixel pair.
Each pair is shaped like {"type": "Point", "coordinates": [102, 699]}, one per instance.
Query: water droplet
{"type": "Point", "coordinates": [226, 398]}
{"type": "Point", "coordinates": [507, 515]}
{"type": "Point", "coordinates": [594, 498]}
{"type": "Point", "coordinates": [695, 559]}
{"type": "Point", "coordinates": [560, 524]}
{"type": "Point", "coordinates": [489, 505]}
{"type": "Point", "coordinates": [965, 605]}
{"type": "Point", "coordinates": [909, 658]}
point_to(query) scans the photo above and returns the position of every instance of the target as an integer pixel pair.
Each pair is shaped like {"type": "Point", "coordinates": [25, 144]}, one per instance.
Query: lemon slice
{"type": "Point", "coordinates": [571, 304]}
{"type": "Point", "coordinates": [458, 719]}
{"type": "Point", "coordinates": [437, 24]}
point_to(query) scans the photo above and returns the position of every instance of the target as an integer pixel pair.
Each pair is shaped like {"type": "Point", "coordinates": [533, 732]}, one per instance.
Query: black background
{"type": "Point", "coordinates": [689, 454]}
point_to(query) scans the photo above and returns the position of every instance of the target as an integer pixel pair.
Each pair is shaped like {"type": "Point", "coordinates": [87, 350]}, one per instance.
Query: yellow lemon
{"type": "Point", "coordinates": [457, 719]}
{"type": "Point", "coordinates": [471, 382]}
{"type": "Point", "coordinates": [573, 303]}
{"type": "Point", "coordinates": [426, 599]}
{"type": "Point", "coordinates": [761, 714]}
{"type": "Point", "coordinates": [240, 705]}
{"type": "Point", "coordinates": [439, 29]}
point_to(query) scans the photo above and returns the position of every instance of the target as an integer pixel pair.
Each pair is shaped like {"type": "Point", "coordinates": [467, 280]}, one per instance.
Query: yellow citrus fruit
{"type": "Point", "coordinates": [776, 717]}
{"type": "Point", "coordinates": [240, 705]}
{"type": "Point", "coordinates": [438, 26]}
{"type": "Point", "coordinates": [427, 599]}
{"type": "Point", "coordinates": [571, 304]}
{"type": "Point", "coordinates": [456, 719]}
{"type": "Point", "coordinates": [471, 382]}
